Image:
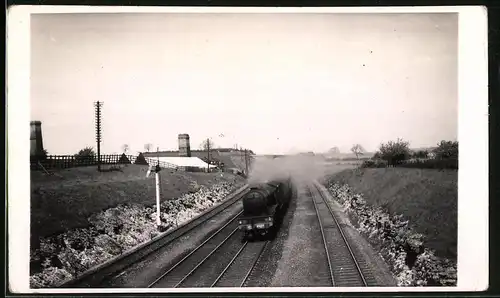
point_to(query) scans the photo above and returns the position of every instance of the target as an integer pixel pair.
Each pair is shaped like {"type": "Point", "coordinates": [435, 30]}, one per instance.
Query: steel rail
{"type": "Point", "coordinates": [195, 250]}
{"type": "Point", "coordinates": [254, 263]}
{"type": "Point", "coordinates": [229, 265]}
{"type": "Point", "coordinates": [204, 259]}
{"type": "Point", "coordinates": [343, 236]}
{"type": "Point", "coordinates": [324, 238]}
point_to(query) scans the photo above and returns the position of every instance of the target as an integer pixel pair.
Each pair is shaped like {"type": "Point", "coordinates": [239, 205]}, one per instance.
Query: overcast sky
{"type": "Point", "coordinates": [269, 82]}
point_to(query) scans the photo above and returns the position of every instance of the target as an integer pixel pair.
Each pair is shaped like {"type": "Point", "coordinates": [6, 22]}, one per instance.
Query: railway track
{"type": "Point", "coordinates": [345, 268]}
{"type": "Point", "coordinates": [106, 271]}
{"type": "Point", "coordinates": [194, 269]}
{"type": "Point", "coordinates": [247, 257]}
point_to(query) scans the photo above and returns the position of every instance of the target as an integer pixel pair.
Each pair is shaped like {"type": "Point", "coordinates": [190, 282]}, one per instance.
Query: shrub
{"type": "Point", "coordinates": [394, 152]}
{"type": "Point", "coordinates": [447, 150]}
{"type": "Point", "coordinates": [87, 154]}
{"type": "Point", "coordinates": [374, 163]}
{"type": "Point", "coordinates": [124, 159]}
{"type": "Point", "coordinates": [141, 160]}
{"type": "Point", "coordinates": [431, 164]}
{"type": "Point", "coordinates": [50, 277]}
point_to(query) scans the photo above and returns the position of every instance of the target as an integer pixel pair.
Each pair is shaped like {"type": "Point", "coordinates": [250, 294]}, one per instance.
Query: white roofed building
{"type": "Point", "coordinates": [182, 163]}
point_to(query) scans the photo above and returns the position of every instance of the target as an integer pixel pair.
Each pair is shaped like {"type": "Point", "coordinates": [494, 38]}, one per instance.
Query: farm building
{"type": "Point", "coordinates": [183, 163]}
{"type": "Point", "coordinates": [223, 158]}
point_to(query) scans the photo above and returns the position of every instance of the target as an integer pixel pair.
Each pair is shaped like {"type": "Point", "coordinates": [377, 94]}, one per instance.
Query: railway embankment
{"type": "Point", "coordinates": [408, 215]}
{"type": "Point", "coordinates": [128, 222]}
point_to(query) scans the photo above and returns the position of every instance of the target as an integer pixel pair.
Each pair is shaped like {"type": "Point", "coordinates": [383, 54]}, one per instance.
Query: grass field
{"type": "Point", "coordinates": [426, 197]}
{"type": "Point", "coordinates": [65, 200]}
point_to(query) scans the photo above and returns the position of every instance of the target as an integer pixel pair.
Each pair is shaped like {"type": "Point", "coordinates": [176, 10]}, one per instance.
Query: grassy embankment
{"type": "Point", "coordinates": [66, 200]}
{"type": "Point", "coordinates": [81, 218]}
{"type": "Point", "coordinates": [425, 197]}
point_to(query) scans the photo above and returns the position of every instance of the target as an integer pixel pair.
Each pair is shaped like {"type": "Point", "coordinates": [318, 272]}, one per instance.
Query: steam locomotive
{"type": "Point", "coordinates": [264, 207]}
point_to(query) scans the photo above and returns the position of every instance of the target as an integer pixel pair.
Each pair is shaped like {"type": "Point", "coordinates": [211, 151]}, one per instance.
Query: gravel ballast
{"type": "Point", "coordinates": [303, 263]}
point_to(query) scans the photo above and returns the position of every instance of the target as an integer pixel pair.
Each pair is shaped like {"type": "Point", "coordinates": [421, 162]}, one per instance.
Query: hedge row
{"type": "Point", "coordinates": [420, 164]}
{"type": "Point", "coordinates": [404, 250]}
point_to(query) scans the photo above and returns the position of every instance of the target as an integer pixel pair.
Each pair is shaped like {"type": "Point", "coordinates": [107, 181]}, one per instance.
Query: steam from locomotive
{"type": "Point", "coordinates": [298, 167]}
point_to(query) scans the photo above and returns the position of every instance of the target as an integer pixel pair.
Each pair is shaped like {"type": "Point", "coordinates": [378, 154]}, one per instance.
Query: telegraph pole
{"type": "Point", "coordinates": [98, 106]}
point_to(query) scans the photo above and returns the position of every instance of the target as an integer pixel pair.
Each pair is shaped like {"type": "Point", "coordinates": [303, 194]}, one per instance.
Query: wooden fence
{"type": "Point", "coordinates": [71, 161]}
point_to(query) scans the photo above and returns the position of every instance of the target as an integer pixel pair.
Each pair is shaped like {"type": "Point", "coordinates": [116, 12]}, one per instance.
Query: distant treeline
{"type": "Point", "coordinates": [398, 154]}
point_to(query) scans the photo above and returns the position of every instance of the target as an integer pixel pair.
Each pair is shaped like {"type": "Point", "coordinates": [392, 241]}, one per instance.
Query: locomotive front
{"type": "Point", "coordinates": [259, 206]}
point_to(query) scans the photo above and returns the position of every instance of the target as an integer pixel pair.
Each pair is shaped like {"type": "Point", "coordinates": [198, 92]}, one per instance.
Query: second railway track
{"type": "Point", "coordinates": [345, 268]}
{"type": "Point", "coordinates": [202, 266]}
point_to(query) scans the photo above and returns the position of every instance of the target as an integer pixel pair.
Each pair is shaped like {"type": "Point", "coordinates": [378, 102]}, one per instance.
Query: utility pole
{"type": "Point", "coordinates": [208, 155]}
{"type": "Point", "coordinates": [98, 106]}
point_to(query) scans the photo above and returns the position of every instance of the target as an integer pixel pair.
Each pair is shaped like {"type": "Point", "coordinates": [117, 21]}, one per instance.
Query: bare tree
{"type": "Point", "coordinates": [207, 144]}
{"type": "Point", "coordinates": [148, 147]}
{"type": "Point", "coordinates": [358, 150]}
{"type": "Point", "coordinates": [125, 148]}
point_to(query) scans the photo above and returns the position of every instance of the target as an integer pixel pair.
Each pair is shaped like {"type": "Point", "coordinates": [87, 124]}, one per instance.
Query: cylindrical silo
{"type": "Point", "coordinates": [184, 147]}
{"type": "Point", "coordinates": [36, 148]}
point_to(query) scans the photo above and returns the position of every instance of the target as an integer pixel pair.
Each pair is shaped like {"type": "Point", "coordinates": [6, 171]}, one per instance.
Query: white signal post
{"type": "Point", "coordinates": [157, 174]}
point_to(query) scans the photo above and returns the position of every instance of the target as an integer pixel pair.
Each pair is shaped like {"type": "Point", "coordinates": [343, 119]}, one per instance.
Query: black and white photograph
{"type": "Point", "coordinates": [266, 149]}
